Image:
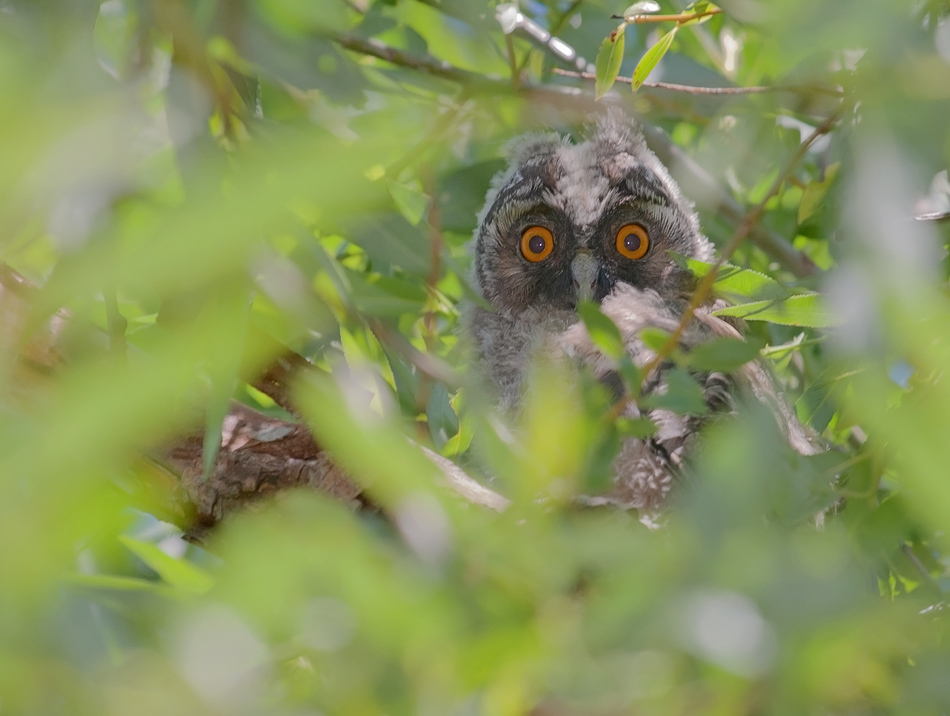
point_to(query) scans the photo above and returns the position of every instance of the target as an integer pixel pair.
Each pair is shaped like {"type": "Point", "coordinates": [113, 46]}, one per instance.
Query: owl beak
{"type": "Point", "coordinates": [584, 270]}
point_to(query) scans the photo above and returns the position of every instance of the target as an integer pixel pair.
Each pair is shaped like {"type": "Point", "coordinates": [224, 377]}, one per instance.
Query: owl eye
{"type": "Point", "coordinates": [633, 241]}
{"type": "Point", "coordinates": [536, 243]}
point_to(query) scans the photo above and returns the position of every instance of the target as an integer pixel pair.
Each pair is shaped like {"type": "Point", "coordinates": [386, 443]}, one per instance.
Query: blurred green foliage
{"type": "Point", "coordinates": [182, 175]}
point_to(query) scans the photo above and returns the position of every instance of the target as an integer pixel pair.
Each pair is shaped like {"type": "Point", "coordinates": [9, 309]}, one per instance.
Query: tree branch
{"type": "Point", "coordinates": [421, 63]}
{"type": "Point", "coordinates": [693, 178]}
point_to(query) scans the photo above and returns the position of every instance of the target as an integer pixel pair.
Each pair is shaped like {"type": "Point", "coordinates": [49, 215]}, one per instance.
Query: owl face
{"type": "Point", "coordinates": [569, 222]}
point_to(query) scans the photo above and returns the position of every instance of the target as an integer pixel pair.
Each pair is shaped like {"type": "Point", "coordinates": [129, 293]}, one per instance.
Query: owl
{"type": "Point", "coordinates": [597, 221]}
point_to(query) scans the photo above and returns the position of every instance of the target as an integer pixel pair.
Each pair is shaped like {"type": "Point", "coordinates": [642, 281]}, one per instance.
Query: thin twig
{"type": "Point", "coordinates": [422, 63]}
{"type": "Point", "coordinates": [704, 289]}
{"type": "Point", "coordinates": [682, 17]}
{"type": "Point", "coordinates": [690, 89]}
{"type": "Point", "coordinates": [935, 216]}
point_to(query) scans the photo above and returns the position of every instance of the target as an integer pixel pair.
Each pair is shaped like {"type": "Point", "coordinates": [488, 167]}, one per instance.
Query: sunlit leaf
{"type": "Point", "coordinates": [636, 427]}
{"type": "Point", "coordinates": [441, 418]}
{"type": "Point", "coordinates": [292, 16]}
{"type": "Point", "coordinates": [804, 309]}
{"type": "Point", "coordinates": [178, 573]}
{"type": "Point", "coordinates": [651, 58]}
{"type": "Point", "coordinates": [609, 58]}
{"type": "Point", "coordinates": [383, 296]}
{"type": "Point", "coordinates": [555, 433]}
{"type": "Point", "coordinates": [460, 442]}
{"type": "Point", "coordinates": [370, 446]}
{"type": "Point", "coordinates": [723, 354]}
{"type": "Point", "coordinates": [601, 329]}
{"type": "Point", "coordinates": [698, 8]}
{"type": "Point", "coordinates": [735, 283]}
{"type": "Point", "coordinates": [683, 394]}
{"type": "Point", "coordinates": [412, 204]}
{"type": "Point", "coordinates": [654, 338]}
{"type": "Point", "coordinates": [165, 165]}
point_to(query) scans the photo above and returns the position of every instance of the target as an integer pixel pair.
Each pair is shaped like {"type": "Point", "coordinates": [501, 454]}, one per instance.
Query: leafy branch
{"type": "Point", "coordinates": [704, 288]}
{"type": "Point", "coordinates": [610, 54]}
{"type": "Point", "coordinates": [709, 191]}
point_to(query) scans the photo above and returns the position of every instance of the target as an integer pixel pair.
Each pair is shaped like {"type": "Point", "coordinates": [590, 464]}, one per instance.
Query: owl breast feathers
{"type": "Point", "coordinates": [596, 221]}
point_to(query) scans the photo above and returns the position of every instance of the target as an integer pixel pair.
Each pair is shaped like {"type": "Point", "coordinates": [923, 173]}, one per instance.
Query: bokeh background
{"type": "Point", "coordinates": [180, 176]}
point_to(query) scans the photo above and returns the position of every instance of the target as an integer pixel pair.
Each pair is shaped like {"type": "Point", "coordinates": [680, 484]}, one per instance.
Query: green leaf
{"type": "Point", "coordinates": [294, 16]}
{"type": "Point", "coordinates": [119, 584]}
{"type": "Point", "coordinates": [697, 8]}
{"type": "Point", "coordinates": [815, 192]}
{"type": "Point", "coordinates": [405, 381]}
{"type": "Point", "coordinates": [723, 354]}
{"type": "Point", "coordinates": [734, 283]}
{"type": "Point", "coordinates": [609, 57]}
{"type": "Point", "coordinates": [385, 296]}
{"type": "Point", "coordinates": [388, 237]}
{"type": "Point", "coordinates": [440, 416]}
{"type": "Point", "coordinates": [628, 370]}
{"type": "Point", "coordinates": [652, 57]}
{"type": "Point", "coordinates": [458, 443]}
{"type": "Point", "coordinates": [636, 427]}
{"type": "Point", "coordinates": [817, 405]}
{"type": "Point", "coordinates": [653, 337]}
{"type": "Point", "coordinates": [816, 249]}
{"type": "Point", "coordinates": [801, 310]}
{"type": "Point", "coordinates": [412, 204]}
{"type": "Point", "coordinates": [602, 331]}
{"type": "Point", "coordinates": [683, 395]}
{"type": "Point", "coordinates": [178, 573]}
{"type": "Point", "coordinates": [461, 441]}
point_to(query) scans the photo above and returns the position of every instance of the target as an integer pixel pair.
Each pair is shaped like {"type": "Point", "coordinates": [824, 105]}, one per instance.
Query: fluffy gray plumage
{"type": "Point", "coordinates": [584, 194]}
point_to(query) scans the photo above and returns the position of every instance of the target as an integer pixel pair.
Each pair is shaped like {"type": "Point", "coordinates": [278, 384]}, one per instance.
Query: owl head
{"type": "Point", "coordinates": [568, 222]}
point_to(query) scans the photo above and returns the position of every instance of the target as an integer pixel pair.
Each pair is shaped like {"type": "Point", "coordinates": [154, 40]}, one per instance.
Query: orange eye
{"type": "Point", "coordinates": [536, 243]}
{"type": "Point", "coordinates": [633, 241]}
